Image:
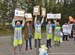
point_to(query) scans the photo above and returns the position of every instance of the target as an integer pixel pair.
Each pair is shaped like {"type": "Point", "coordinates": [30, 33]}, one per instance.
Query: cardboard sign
{"type": "Point", "coordinates": [19, 13]}
{"type": "Point", "coordinates": [43, 11]}
{"type": "Point", "coordinates": [18, 18]}
{"type": "Point", "coordinates": [53, 16]}
{"type": "Point", "coordinates": [29, 19]}
{"type": "Point", "coordinates": [36, 10]}
{"type": "Point", "coordinates": [28, 15]}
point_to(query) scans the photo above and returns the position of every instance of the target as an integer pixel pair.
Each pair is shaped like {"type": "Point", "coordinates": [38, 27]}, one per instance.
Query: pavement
{"type": "Point", "coordinates": [65, 48]}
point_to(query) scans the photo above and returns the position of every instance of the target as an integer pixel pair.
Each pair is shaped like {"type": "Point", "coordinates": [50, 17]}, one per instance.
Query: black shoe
{"type": "Point", "coordinates": [67, 40]}
{"type": "Point", "coordinates": [26, 49]}
{"type": "Point", "coordinates": [30, 48]}
{"type": "Point", "coordinates": [50, 46]}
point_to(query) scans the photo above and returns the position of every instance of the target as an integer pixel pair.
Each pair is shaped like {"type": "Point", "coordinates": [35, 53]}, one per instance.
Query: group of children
{"type": "Point", "coordinates": [59, 32]}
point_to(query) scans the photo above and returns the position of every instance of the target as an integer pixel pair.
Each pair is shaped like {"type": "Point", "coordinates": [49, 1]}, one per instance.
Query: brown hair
{"type": "Point", "coordinates": [26, 36]}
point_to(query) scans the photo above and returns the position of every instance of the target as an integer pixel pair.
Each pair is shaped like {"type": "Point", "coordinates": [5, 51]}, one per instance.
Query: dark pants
{"type": "Point", "coordinates": [29, 40]}
{"type": "Point", "coordinates": [72, 34]}
{"type": "Point", "coordinates": [74, 39]}
{"type": "Point", "coordinates": [37, 43]}
{"type": "Point", "coordinates": [65, 37]}
{"type": "Point", "coordinates": [57, 43]}
{"type": "Point", "coordinates": [49, 43]}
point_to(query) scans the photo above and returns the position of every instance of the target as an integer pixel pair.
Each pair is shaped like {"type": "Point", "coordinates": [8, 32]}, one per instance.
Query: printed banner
{"type": "Point", "coordinates": [53, 16]}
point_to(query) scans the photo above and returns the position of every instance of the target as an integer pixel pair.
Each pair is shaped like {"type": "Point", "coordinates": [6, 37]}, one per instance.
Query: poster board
{"type": "Point", "coordinates": [18, 18]}
{"type": "Point", "coordinates": [28, 16]}
{"type": "Point", "coordinates": [19, 14]}
{"type": "Point", "coordinates": [36, 10]}
{"type": "Point", "coordinates": [53, 16]}
{"type": "Point", "coordinates": [43, 13]}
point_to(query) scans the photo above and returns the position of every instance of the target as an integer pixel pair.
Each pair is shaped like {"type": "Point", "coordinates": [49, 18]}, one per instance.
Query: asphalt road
{"type": "Point", "coordinates": [65, 48]}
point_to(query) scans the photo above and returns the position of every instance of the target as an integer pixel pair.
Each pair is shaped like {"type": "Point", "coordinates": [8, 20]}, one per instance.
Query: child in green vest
{"type": "Point", "coordinates": [49, 34]}
{"type": "Point", "coordinates": [57, 34]}
{"type": "Point", "coordinates": [37, 33]}
{"type": "Point", "coordinates": [17, 39]}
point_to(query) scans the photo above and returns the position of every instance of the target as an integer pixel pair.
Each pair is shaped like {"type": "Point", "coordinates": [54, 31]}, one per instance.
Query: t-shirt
{"type": "Point", "coordinates": [65, 29]}
{"type": "Point", "coordinates": [69, 28]}
{"type": "Point", "coordinates": [57, 31]}
{"type": "Point", "coordinates": [49, 29]}
{"type": "Point", "coordinates": [37, 27]}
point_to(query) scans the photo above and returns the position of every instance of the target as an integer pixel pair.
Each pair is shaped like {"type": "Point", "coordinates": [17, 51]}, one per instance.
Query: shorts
{"type": "Point", "coordinates": [17, 42]}
{"type": "Point", "coordinates": [56, 39]}
{"type": "Point", "coordinates": [37, 35]}
{"type": "Point", "coordinates": [49, 36]}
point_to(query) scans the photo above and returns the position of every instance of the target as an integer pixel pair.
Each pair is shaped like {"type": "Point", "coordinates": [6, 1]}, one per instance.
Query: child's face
{"type": "Point", "coordinates": [18, 23]}
{"type": "Point", "coordinates": [49, 22]}
{"type": "Point", "coordinates": [65, 23]}
{"type": "Point", "coordinates": [57, 23]}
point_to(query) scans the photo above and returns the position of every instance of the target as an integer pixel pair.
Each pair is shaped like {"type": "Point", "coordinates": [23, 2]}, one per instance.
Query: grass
{"type": "Point", "coordinates": [9, 32]}
{"type": "Point", "coordinates": [6, 32]}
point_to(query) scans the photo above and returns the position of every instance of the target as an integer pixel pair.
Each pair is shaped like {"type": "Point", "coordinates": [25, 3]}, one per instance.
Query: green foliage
{"type": "Point", "coordinates": [51, 6]}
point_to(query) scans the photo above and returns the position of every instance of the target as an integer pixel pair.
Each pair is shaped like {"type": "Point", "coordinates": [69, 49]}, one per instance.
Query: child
{"type": "Point", "coordinates": [37, 34]}
{"type": "Point", "coordinates": [28, 34]}
{"type": "Point", "coordinates": [57, 34]}
{"type": "Point", "coordinates": [17, 40]}
{"type": "Point", "coordinates": [65, 31]}
{"type": "Point", "coordinates": [49, 34]}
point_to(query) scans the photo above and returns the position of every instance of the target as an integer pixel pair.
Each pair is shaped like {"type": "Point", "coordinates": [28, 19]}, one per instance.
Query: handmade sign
{"type": "Point", "coordinates": [53, 16]}
{"type": "Point", "coordinates": [36, 10]}
{"type": "Point", "coordinates": [43, 11]}
{"type": "Point", "coordinates": [28, 16]}
{"type": "Point", "coordinates": [19, 14]}
{"type": "Point", "coordinates": [18, 18]}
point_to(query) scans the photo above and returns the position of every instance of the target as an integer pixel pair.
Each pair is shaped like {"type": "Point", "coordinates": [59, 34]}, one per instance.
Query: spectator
{"type": "Point", "coordinates": [65, 31]}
